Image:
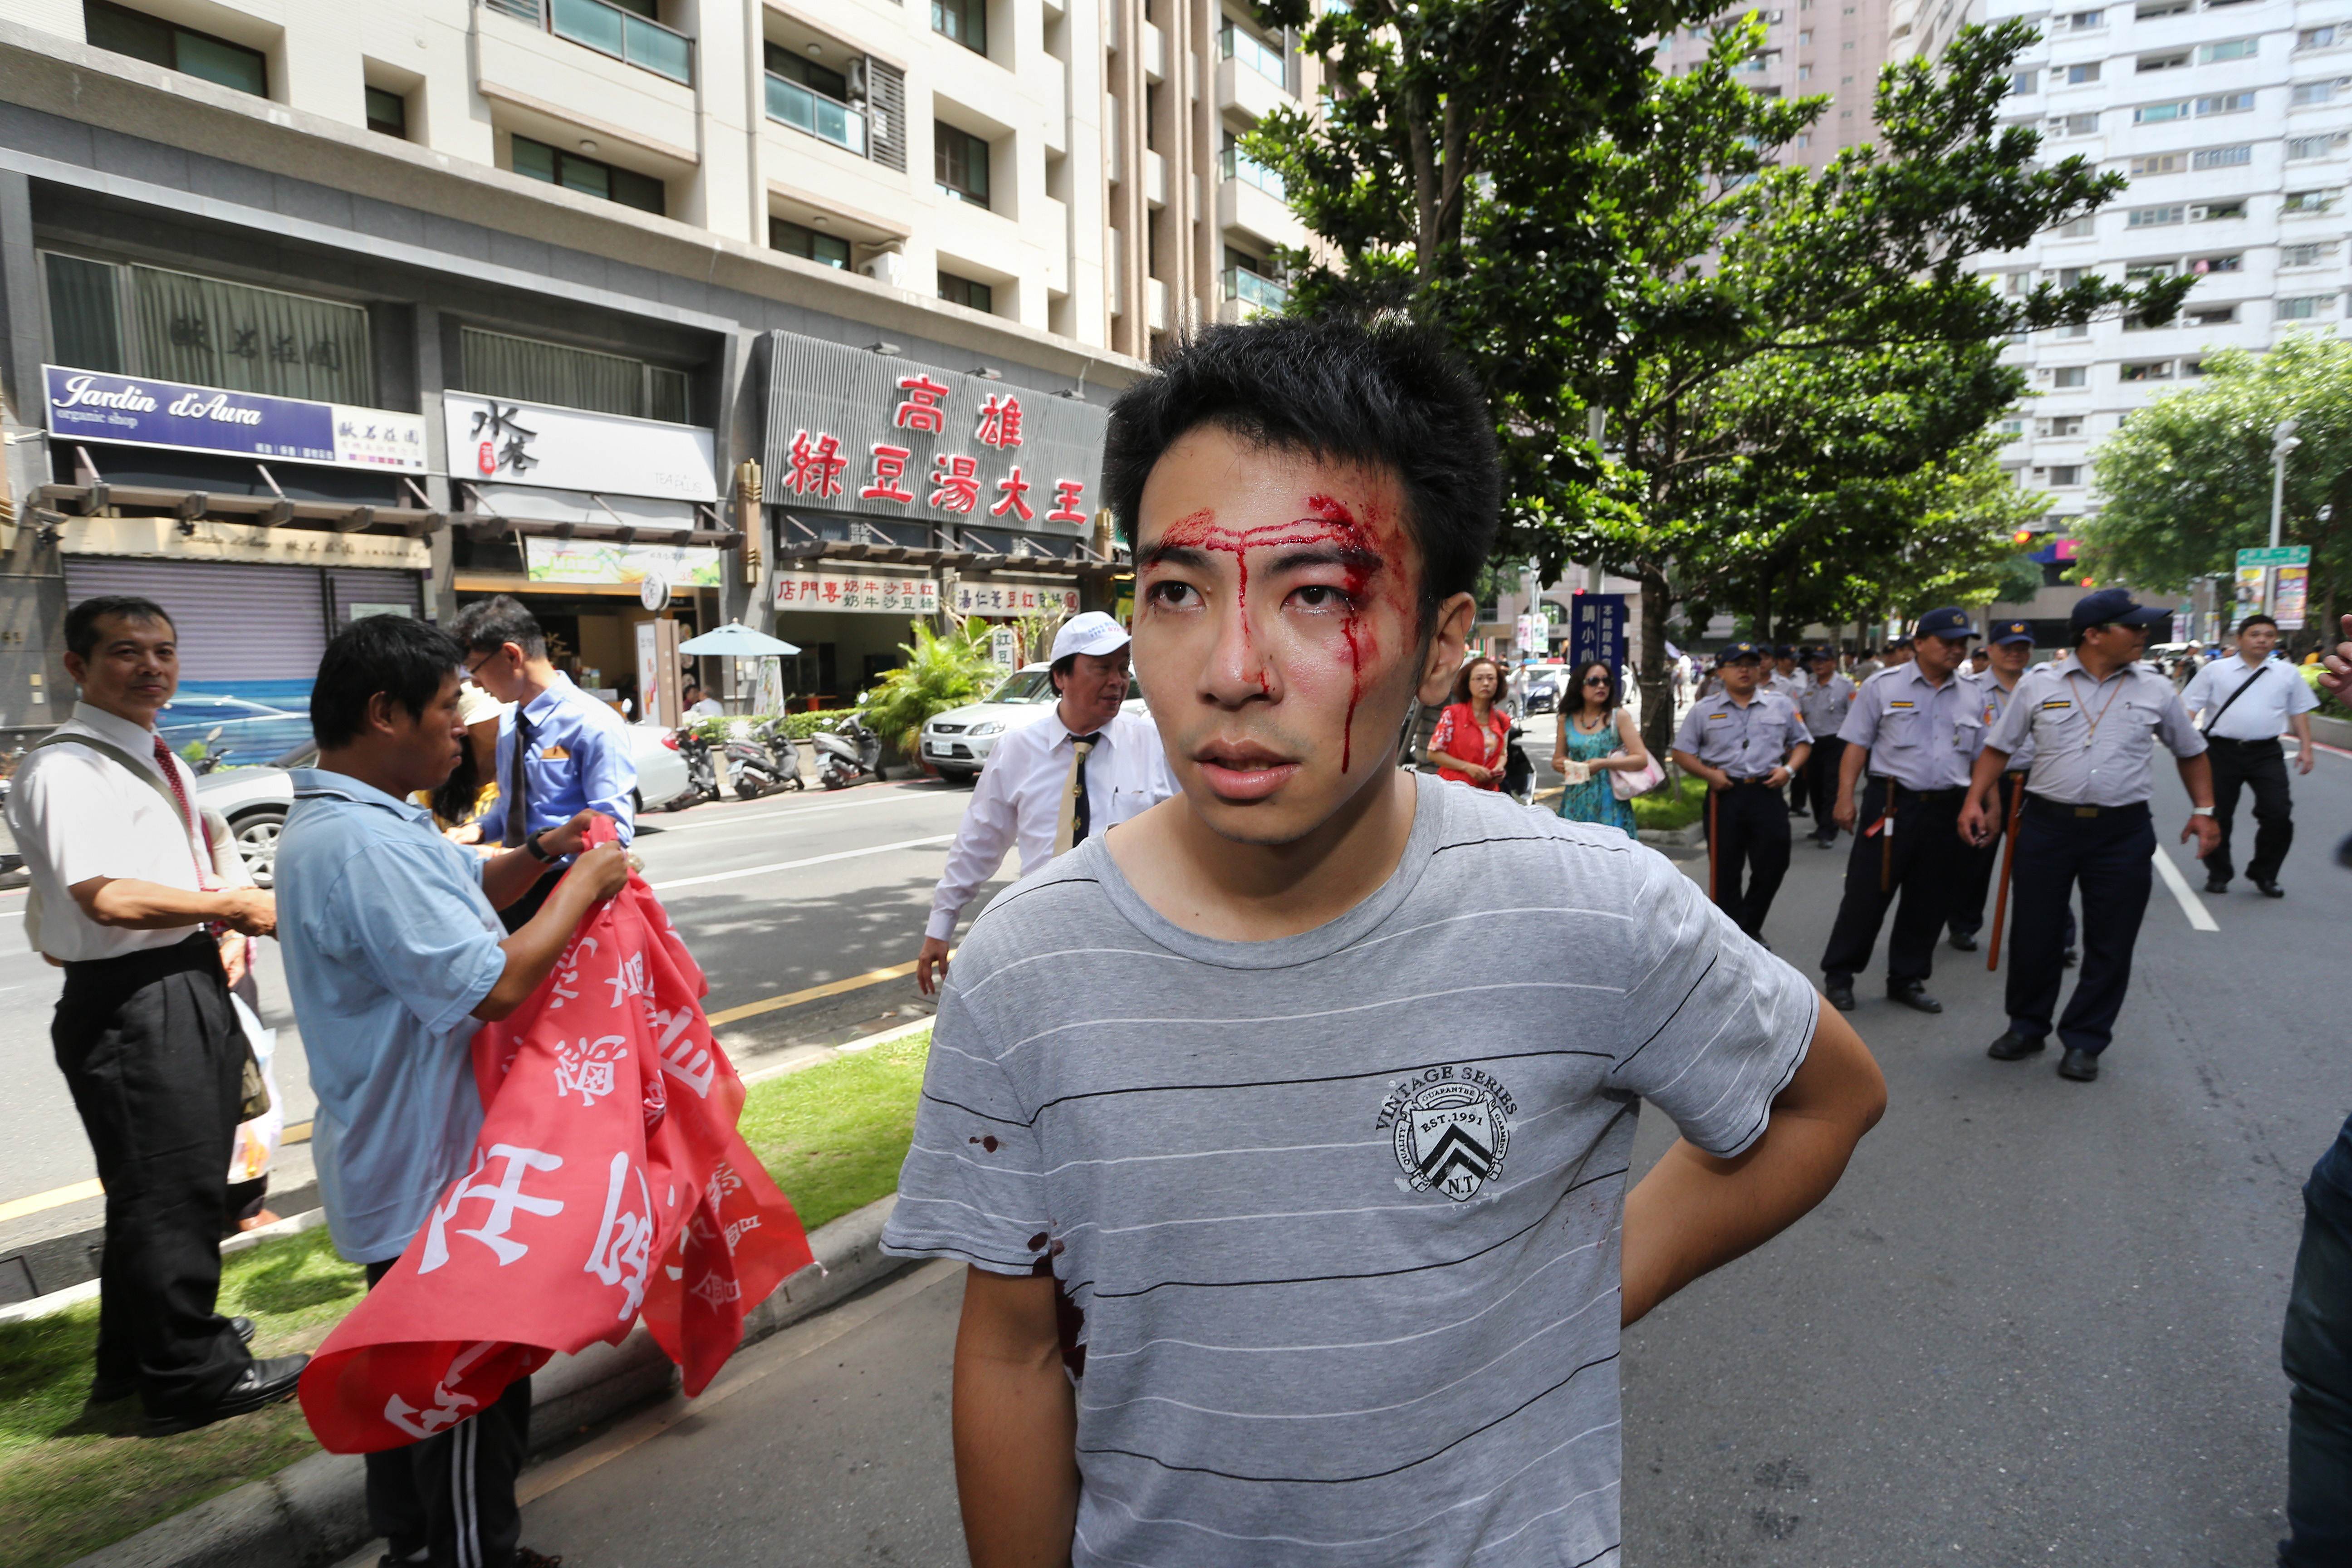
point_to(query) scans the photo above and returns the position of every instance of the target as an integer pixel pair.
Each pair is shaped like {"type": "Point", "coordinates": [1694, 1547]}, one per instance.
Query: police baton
{"type": "Point", "coordinates": [2008, 859]}
{"type": "Point", "coordinates": [1711, 792]}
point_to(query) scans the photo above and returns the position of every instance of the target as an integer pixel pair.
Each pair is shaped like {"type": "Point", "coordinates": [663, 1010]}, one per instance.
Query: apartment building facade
{"type": "Point", "coordinates": [1811, 48]}
{"type": "Point", "coordinates": [809, 313]}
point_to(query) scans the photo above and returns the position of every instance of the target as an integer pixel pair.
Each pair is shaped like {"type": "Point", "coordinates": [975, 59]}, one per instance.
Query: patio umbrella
{"type": "Point", "coordinates": [735, 641]}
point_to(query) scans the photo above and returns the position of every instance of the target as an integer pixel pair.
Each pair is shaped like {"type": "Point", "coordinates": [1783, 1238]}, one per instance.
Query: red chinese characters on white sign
{"type": "Point", "coordinates": [921, 410]}
{"type": "Point", "coordinates": [1000, 422]}
{"type": "Point", "coordinates": [817, 465]}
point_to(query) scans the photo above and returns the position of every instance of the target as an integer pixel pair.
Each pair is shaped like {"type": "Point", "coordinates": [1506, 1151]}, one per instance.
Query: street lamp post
{"type": "Point", "coordinates": [2283, 441]}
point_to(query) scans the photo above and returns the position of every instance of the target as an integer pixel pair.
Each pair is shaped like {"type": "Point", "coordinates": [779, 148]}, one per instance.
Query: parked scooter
{"type": "Point", "coordinates": [701, 770]}
{"type": "Point", "coordinates": [764, 761]}
{"type": "Point", "coordinates": [847, 753]}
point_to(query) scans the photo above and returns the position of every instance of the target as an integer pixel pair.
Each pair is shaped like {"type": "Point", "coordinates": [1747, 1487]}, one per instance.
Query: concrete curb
{"type": "Point", "coordinates": [1679, 838]}
{"type": "Point", "coordinates": [314, 1512]}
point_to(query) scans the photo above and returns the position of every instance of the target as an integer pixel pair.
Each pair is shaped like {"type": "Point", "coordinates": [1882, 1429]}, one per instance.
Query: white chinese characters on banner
{"type": "Point", "coordinates": [841, 591]}
{"type": "Point", "coordinates": [1012, 599]}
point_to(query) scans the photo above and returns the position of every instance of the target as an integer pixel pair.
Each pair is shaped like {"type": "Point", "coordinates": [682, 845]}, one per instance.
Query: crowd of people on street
{"type": "Point", "coordinates": [1250, 1244]}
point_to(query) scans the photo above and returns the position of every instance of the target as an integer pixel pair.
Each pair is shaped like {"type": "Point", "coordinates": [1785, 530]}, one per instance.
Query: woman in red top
{"type": "Point", "coordinates": [1468, 745]}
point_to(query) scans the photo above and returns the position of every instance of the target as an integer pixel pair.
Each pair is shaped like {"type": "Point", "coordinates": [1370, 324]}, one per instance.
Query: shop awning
{"type": "Point", "coordinates": [945, 550]}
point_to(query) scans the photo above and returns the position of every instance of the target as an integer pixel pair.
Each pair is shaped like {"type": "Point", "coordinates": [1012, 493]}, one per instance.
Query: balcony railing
{"type": "Point", "coordinates": [1253, 290]}
{"type": "Point", "coordinates": [805, 108]}
{"type": "Point", "coordinates": [1237, 44]}
{"type": "Point", "coordinates": [1236, 165]}
{"type": "Point", "coordinates": [610, 30]}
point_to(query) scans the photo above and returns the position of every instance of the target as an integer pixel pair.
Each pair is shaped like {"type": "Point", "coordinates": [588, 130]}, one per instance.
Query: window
{"type": "Point", "coordinates": [2222, 158]}
{"type": "Point", "coordinates": [2316, 38]}
{"type": "Point", "coordinates": [387, 112]}
{"type": "Point", "coordinates": [2304, 255]}
{"type": "Point", "coordinates": [2205, 266]}
{"type": "Point", "coordinates": [1233, 163]}
{"type": "Point", "coordinates": [2062, 474]}
{"type": "Point", "coordinates": [2065, 424]}
{"type": "Point", "coordinates": [2161, 164]}
{"type": "Point", "coordinates": [2192, 367]}
{"type": "Point", "coordinates": [2141, 272]}
{"type": "Point", "coordinates": [1252, 281]}
{"type": "Point", "coordinates": [959, 163]}
{"type": "Point", "coordinates": [1805, 37]}
{"type": "Point", "coordinates": [2082, 21]}
{"type": "Point", "coordinates": [2150, 11]}
{"type": "Point", "coordinates": [1804, 73]}
{"type": "Point", "coordinates": [538, 161]}
{"type": "Point", "coordinates": [2212, 315]}
{"type": "Point", "coordinates": [627, 30]}
{"type": "Point", "coordinates": [969, 293]}
{"type": "Point", "coordinates": [2302, 149]}
{"type": "Point", "coordinates": [2214, 212]}
{"type": "Point", "coordinates": [2070, 277]}
{"type": "Point", "coordinates": [496, 364]}
{"type": "Point", "coordinates": [2073, 375]}
{"type": "Point", "coordinates": [2071, 331]}
{"type": "Point", "coordinates": [813, 98]}
{"type": "Point", "coordinates": [2234, 49]}
{"type": "Point", "coordinates": [2077, 75]}
{"type": "Point", "coordinates": [796, 240]}
{"type": "Point", "coordinates": [2159, 113]}
{"type": "Point", "coordinates": [2165, 62]}
{"type": "Point", "coordinates": [965, 21]}
{"type": "Point", "coordinates": [2012, 429]}
{"type": "Point", "coordinates": [144, 321]}
{"type": "Point", "coordinates": [2023, 81]}
{"type": "Point", "coordinates": [175, 48]}
{"type": "Point", "coordinates": [2148, 370]}
{"type": "Point", "coordinates": [2074, 125]}
{"type": "Point", "coordinates": [2304, 307]}
{"type": "Point", "coordinates": [2226, 103]}
{"type": "Point", "coordinates": [2307, 202]}
{"type": "Point", "coordinates": [2307, 92]}
{"type": "Point", "coordinates": [2154, 217]}
{"type": "Point", "coordinates": [1236, 42]}
{"type": "Point", "coordinates": [2076, 228]}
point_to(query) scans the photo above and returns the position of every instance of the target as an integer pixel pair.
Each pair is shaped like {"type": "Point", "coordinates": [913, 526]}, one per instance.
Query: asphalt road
{"type": "Point", "coordinates": [2038, 1321]}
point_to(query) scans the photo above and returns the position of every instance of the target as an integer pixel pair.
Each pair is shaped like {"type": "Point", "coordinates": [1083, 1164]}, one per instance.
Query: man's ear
{"type": "Point", "coordinates": [379, 705]}
{"type": "Point", "coordinates": [77, 669]}
{"type": "Point", "coordinates": [1442, 655]}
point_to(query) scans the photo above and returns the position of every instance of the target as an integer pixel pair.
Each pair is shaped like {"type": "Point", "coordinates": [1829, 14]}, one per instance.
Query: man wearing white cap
{"type": "Point", "coordinates": [1050, 784]}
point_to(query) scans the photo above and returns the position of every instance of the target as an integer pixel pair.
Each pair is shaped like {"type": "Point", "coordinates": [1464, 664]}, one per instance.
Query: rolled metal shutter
{"type": "Point", "coordinates": [237, 622]}
{"type": "Point", "coordinates": [351, 587]}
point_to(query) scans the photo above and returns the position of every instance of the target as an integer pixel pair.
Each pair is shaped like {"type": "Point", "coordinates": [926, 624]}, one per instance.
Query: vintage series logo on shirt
{"type": "Point", "coordinates": [1452, 1128]}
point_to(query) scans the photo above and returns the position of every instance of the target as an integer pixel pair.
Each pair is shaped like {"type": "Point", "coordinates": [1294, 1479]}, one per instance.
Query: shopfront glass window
{"type": "Point", "coordinates": [84, 318]}
{"type": "Point", "coordinates": [497, 364]}
{"type": "Point", "coordinates": [177, 326]}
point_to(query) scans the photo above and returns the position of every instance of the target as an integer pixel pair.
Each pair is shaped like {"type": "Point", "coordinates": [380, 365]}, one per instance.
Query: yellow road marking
{"type": "Point", "coordinates": [17, 1208]}
{"type": "Point", "coordinates": [815, 992]}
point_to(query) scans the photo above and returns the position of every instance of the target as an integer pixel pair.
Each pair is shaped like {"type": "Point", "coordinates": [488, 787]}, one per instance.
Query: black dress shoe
{"type": "Point", "coordinates": [1966, 941]}
{"type": "Point", "coordinates": [2069, 958]}
{"type": "Point", "coordinates": [2271, 890]}
{"type": "Point", "coordinates": [2012, 1046]}
{"type": "Point", "coordinates": [1914, 996]}
{"type": "Point", "coordinates": [2217, 884]}
{"type": "Point", "coordinates": [263, 1383]}
{"type": "Point", "coordinates": [1840, 995]}
{"type": "Point", "coordinates": [2080, 1066]}
{"type": "Point", "coordinates": [102, 1392]}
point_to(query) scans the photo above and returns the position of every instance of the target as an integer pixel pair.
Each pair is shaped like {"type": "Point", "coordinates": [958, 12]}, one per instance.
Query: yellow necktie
{"type": "Point", "coordinates": [1067, 830]}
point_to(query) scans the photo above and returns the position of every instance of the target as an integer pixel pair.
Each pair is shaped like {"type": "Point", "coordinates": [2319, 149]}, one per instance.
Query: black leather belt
{"type": "Point", "coordinates": [2046, 807]}
{"type": "Point", "coordinates": [1933, 796]}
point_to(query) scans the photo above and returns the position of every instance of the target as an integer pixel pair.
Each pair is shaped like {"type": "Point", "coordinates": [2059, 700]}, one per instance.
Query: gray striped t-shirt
{"type": "Point", "coordinates": [1335, 1216]}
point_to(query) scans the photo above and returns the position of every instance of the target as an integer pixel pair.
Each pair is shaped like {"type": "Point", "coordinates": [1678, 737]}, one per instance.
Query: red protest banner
{"type": "Point", "coordinates": [608, 1183]}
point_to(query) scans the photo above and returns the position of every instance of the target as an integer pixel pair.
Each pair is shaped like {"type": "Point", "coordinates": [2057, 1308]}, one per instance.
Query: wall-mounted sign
{"type": "Point", "coordinates": [92, 406]}
{"type": "Point", "coordinates": [1012, 599]}
{"type": "Point", "coordinates": [845, 591]}
{"type": "Point", "coordinates": [1596, 629]}
{"type": "Point", "coordinates": [586, 561]}
{"type": "Point", "coordinates": [573, 449]}
{"type": "Point", "coordinates": [876, 433]}
{"type": "Point", "coordinates": [212, 540]}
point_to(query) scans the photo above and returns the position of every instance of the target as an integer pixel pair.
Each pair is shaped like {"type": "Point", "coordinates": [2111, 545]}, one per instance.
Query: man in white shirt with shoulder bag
{"type": "Point", "coordinates": [1052, 784]}
{"type": "Point", "coordinates": [2242, 706]}
{"type": "Point", "coordinates": [126, 901]}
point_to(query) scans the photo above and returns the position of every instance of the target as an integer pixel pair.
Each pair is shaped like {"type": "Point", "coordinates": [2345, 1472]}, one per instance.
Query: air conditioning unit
{"type": "Point", "coordinates": [885, 267]}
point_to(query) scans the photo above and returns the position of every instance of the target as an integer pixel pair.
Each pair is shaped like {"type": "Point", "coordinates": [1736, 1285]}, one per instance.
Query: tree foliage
{"type": "Point", "coordinates": [941, 671]}
{"type": "Point", "coordinates": [2186, 482]}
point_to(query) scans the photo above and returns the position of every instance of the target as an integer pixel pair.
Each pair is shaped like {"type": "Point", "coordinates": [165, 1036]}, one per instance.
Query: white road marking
{"type": "Point", "coordinates": [892, 798]}
{"type": "Point", "coordinates": [812, 861]}
{"type": "Point", "coordinates": [2200, 917]}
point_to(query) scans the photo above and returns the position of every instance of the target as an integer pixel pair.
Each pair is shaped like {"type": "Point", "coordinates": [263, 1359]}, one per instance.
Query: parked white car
{"type": "Point", "coordinates": [956, 743]}
{"type": "Point", "coordinates": [256, 800]}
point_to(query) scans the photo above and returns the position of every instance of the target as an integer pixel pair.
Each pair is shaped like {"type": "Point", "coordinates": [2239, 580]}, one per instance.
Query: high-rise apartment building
{"type": "Point", "coordinates": [525, 296]}
{"type": "Point", "coordinates": [1811, 48]}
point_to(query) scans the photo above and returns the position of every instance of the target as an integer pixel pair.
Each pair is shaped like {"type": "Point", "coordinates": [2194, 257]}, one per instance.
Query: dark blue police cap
{"type": "Point", "coordinates": [2114, 607]}
{"type": "Point", "coordinates": [1951, 621]}
{"type": "Point", "coordinates": [1783, 651]}
{"type": "Point", "coordinates": [2009, 631]}
{"type": "Point", "coordinates": [1731, 652]}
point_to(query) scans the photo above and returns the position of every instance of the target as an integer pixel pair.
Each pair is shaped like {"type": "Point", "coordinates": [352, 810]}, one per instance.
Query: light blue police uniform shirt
{"type": "Point", "coordinates": [2094, 741]}
{"type": "Point", "coordinates": [1748, 742]}
{"type": "Point", "coordinates": [592, 767]}
{"type": "Point", "coordinates": [390, 946]}
{"type": "Point", "coordinates": [1994, 702]}
{"type": "Point", "coordinates": [1921, 735]}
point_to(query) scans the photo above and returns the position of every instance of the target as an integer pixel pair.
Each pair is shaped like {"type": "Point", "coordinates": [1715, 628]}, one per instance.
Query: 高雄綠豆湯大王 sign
{"type": "Point", "coordinates": [138, 411]}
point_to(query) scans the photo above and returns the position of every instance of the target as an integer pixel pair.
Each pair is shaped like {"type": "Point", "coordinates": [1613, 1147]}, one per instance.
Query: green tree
{"type": "Point", "coordinates": [941, 672]}
{"type": "Point", "coordinates": [2186, 482]}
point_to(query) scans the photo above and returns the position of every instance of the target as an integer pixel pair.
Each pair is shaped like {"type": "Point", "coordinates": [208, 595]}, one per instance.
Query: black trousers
{"type": "Point", "coordinates": [1821, 780]}
{"type": "Point", "coordinates": [450, 1500]}
{"type": "Point", "coordinates": [1748, 828]}
{"type": "Point", "coordinates": [2110, 854]}
{"type": "Point", "coordinates": [2261, 765]}
{"type": "Point", "coordinates": [1800, 788]}
{"type": "Point", "coordinates": [1976, 884]}
{"type": "Point", "coordinates": [154, 1058]}
{"type": "Point", "coordinates": [1922, 864]}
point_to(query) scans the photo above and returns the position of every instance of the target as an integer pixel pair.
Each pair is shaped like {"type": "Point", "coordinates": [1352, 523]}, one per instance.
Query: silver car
{"type": "Point", "coordinates": [956, 743]}
{"type": "Point", "coordinates": [256, 800]}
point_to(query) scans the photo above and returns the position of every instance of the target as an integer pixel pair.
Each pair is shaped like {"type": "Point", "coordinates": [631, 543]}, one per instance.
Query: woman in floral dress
{"type": "Point", "coordinates": [1597, 738]}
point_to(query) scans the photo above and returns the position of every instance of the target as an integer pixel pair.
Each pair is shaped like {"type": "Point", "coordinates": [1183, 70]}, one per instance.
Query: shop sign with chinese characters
{"type": "Point", "coordinates": [90, 405]}
{"type": "Point", "coordinates": [856, 431]}
{"type": "Point", "coordinates": [844, 591]}
{"type": "Point", "coordinates": [498, 438]}
{"type": "Point", "coordinates": [1012, 599]}
{"type": "Point", "coordinates": [587, 561]}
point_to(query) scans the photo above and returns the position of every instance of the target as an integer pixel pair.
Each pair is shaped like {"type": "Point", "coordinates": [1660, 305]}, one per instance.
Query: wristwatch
{"type": "Point", "coordinates": [2195, 810]}
{"type": "Point", "coordinates": [538, 852]}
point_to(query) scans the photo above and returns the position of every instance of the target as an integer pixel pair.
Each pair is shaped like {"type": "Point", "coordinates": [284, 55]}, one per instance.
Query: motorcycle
{"type": "Point", "coordinates": [701, 771]}
{"type": "Point", "coordinates": [764, 763]}
{"type": "Point", "coordinates": [847, 753]}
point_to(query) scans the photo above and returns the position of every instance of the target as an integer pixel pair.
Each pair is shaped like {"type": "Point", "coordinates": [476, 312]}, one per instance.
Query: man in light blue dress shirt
{"type": "Point", "coordinates": [561, 751]}
{"type": "Point", "coordinates": [393, 958]}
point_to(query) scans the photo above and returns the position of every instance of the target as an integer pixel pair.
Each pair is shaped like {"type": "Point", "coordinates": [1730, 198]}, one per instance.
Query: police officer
{"type": "Point", "coordinates": [1915, 729]}
{"type": "Point", "coordinates": [2012, 649]}
{"type": "Point", "coordinates": [1745, 743]}
{"type": "Point", "coordinates": [2094, 722]}
{"type": "Point", "coordinates": [1823, 705]}
{"type": "Point", "coordinates": [1786, 678]}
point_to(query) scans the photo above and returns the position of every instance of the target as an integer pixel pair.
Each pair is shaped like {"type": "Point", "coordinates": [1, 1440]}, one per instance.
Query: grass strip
{"type": "Point", "coordinates": [74, 1480]}
{"type": "Point", "coordinates": [1669, 808]}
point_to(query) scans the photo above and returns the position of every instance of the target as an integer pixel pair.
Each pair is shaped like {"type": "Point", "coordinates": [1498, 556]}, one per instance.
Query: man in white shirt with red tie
{"type": "Point", "coordinates": [1052, 784]}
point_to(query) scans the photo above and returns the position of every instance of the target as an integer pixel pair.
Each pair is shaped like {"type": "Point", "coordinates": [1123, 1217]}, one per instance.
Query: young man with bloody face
{"type": "Point", "coordinates": [1266, 1269]}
